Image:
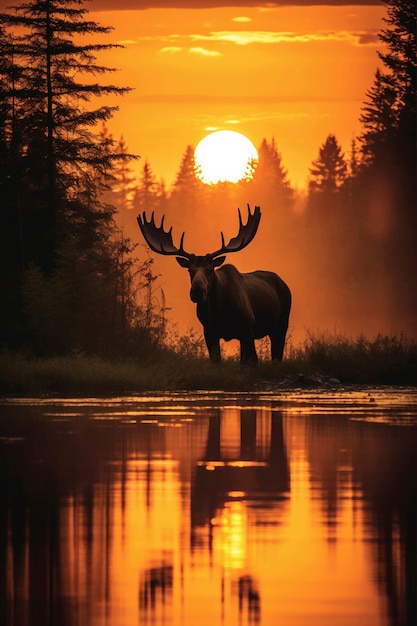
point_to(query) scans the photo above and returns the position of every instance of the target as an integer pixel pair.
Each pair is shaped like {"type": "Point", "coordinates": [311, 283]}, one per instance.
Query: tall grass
{"type": "Point", "coordinates": [385, 359]}
{"type": "Point", "coordinates": [82, 374]}
{"type": "Point", "coordinates": [389, 360]}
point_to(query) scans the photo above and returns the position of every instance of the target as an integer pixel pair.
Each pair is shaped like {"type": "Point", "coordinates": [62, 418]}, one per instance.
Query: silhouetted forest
{"type": "Point", "coordinates": [72, 273]}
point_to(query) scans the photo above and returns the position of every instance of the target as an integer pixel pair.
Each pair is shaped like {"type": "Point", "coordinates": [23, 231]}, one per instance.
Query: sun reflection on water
{"type": "Point", "coordinates": [244, 513]}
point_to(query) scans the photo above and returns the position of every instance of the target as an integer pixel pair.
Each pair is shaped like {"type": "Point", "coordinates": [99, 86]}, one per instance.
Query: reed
{"type": "Point", "coordinates": [319, 361]}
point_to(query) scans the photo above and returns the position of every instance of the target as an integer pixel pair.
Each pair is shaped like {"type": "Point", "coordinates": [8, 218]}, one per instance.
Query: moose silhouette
{"type": "Point", "coordinates": [230, 304]}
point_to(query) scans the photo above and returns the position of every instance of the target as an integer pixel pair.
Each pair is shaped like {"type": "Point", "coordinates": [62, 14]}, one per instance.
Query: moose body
{"type": "Point", "coordinates": [230, 304]}
{"type": "Point", "coordinates": [240, 306]}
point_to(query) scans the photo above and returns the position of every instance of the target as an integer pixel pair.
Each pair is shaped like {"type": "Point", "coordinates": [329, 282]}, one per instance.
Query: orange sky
{"type": "Point", "coordinates": [296, 73]}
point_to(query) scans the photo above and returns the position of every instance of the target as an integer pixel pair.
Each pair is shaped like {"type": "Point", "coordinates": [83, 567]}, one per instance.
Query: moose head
{"type": "Point", "coordinates": [201, 268]}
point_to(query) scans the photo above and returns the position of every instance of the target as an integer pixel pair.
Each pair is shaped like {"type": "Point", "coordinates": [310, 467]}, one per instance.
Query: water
{"type": "Point", "coordinates": [297, 509]}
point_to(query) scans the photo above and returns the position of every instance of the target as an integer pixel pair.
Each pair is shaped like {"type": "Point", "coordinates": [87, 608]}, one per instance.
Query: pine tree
{"type": "Point", "coordinates": [400, 59]}
{"type": "Point", "coordinates": [389, 115]}
{"type": "Point", "coordinates": [379, 117]}
{"type": "Point", "coordinates": [187, 181]}
{"type": "Point", "coordinates": [327, 208]}
{"type": "Point", "coordinates": [53, 125]}
{"type": "Point", "coordinates": [350, 188]}
{"type": "Point", "coordinates": [56, 168]}
{"type": "Point", "coordinates": [389, 145]}
{"type": "Point", "coordinates": [146, 195]}
{"type": "Point", "coordinates": [187, 194]}
{"type": "Point", "coordinates": [270, 181]}
{"type": "Point", "coordinates": [329, 171]}
{"type": "Point", "coordinates": [354, 158]}
{"type": "Point", "coordinates": [124, 185]}
{"type": "Point", "coordinates": [5, 105]}
{"type": "Point", "coordinates": [120, 190]}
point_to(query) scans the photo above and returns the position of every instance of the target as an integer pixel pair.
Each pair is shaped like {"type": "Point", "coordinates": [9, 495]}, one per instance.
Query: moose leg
{"type": "Point", "coordinates": [278, 335]}
{"type": "Point", "coordinates": [247, 350]}
{"type": "Point", "coordinates": [277, 347]}
{"type": "Point", "coordinates": [278, 343]}
{"type": "Point", "coordinates": [213, 346]}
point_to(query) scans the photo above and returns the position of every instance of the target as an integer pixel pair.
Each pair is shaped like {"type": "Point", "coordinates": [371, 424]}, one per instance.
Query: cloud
{"type": "Point", "coordinates": [174, 43]}
{"type": "Point", "coordinates": [193, 50]}
{"type": "Point", "coordinates": [171, 49]}
{"type": "Point", "coordinates": [126, 42]}
{"type": "Point", "coordinates": [368, 38]}
{"type": "Point", "coordinates": [108, 5]}
{"type": "Point", "coordinates": [247, 37]}
{"type": "Point", "coordinates": [204, 52]}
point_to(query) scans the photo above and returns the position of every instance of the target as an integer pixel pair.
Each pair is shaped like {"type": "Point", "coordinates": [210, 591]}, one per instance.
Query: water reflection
{"type": "Point", "coordinates": [234, 510]}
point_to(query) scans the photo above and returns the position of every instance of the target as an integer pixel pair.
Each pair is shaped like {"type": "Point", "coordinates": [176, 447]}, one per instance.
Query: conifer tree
{"type": "Point", "coordinates": [354, 158]}
{"type": "Point", "coordinates": [52, 128]}
{"type": "Point", "coordinates": [379, 115]}
{"type": "Point", "coordinates": [122, 187]}
{"type": "Point", "coordinates": [187, 181]}
{"type": "Point", "coordinates": [125, 178]}
{"type": "Point", "coordinates": [389, 114]}
{"type": "Point", "coordinates": [187, 194]}
{"type": "Point", "coordinates": [329, 170]}
{"type": "Point", "coordinates": [270, 179]}
{"type": "Point", "coordinates": [400, 59]}
{"type": "Point", "coordinates": [326, 203]}
{"type": "Point", "coordinates": [57, 166]}
{"type": "Point", "coordinates": [146, 195]}
{"type": "Point", "coordinates": [389, 145]}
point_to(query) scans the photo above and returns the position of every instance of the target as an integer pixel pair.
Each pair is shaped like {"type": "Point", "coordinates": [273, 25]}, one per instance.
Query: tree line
{"type": "Point", "coordinates": [72, 275]}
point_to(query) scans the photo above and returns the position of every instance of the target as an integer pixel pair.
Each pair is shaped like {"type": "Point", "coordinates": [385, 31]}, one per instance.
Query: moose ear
{"type": "Point", "coordinates": [183, 262]}
{"type": "Point", "coordinates": [219, 261]}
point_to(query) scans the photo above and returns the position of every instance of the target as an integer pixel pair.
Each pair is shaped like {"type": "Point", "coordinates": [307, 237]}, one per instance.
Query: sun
{"type": "Point", "coordinates": [225, 156]}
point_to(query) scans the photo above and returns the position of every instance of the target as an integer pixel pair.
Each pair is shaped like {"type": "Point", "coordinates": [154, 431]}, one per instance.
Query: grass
{"type": "Point", "coordinates": [385, 360]}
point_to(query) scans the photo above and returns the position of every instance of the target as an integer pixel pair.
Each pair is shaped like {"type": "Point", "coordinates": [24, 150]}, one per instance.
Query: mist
{"type": "Point", "coordinates": [339, 272]}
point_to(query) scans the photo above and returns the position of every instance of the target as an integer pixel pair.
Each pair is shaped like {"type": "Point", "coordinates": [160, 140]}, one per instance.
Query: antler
{"type": "Point", "coordinates": [158, 239]}
{"type": "Point", "coordinates": [245, 235]}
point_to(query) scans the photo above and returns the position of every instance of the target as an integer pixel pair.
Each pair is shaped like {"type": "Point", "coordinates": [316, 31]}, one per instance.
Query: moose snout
{"type": "Point", "coordinates": [198, 294]}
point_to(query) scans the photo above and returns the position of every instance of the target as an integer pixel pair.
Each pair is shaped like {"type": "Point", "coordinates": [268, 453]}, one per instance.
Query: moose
{"type": "Point", "coordinates": [230, 304]}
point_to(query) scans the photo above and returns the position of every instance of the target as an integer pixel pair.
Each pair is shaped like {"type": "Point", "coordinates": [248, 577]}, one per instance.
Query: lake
{"type": "Point", "coordinates": [296, 508]}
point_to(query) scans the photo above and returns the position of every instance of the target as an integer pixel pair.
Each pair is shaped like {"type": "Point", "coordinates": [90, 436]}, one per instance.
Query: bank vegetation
{"type": "Point", "coordinates": [320, 362]}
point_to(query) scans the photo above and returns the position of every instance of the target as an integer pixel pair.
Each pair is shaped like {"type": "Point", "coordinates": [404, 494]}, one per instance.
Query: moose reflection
{"type": "Point", "coordinates": [157, 584]}
{"type": "Point", "coordinates": [253, 469]}
{"type": "Point", "coordinates": [230, 304]}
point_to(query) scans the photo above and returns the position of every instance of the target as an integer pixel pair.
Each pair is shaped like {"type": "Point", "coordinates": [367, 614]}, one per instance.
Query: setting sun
{"type": "Point", "coordinates": [225, 156]}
